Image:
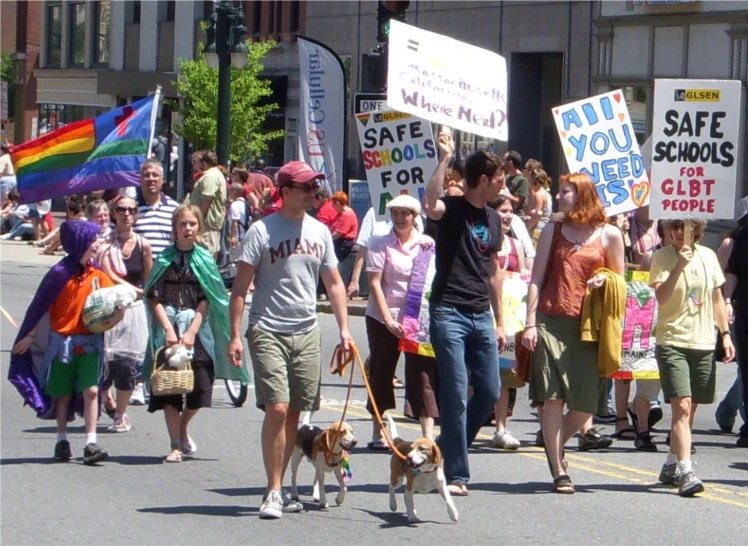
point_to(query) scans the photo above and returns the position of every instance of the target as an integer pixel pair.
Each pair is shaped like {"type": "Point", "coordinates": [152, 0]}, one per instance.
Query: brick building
{"type": "Point", "coordinates": [21, 36]}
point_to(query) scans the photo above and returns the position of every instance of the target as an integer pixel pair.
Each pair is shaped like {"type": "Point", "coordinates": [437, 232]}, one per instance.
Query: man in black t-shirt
{"type": "Point", "coordinates": [736, 298]}
{"type": "Point", "coordinates": [465, 304]}
{"type": "Point", "coordinates": [517, 186]}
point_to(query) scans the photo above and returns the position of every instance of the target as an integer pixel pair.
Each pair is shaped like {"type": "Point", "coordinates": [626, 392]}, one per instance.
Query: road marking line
{"type": "Point", "coordinates": [10, 319]}
{"type": "Point", "coordinates": [576, 459]}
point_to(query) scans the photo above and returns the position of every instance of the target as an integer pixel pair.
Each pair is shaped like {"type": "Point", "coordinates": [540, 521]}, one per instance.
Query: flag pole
{"type": "Point", "coordinates": [155, 111]}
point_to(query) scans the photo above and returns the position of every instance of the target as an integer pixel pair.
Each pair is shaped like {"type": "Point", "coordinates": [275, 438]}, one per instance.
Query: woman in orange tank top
{"type": "Point", "coordinates": [564, 368]}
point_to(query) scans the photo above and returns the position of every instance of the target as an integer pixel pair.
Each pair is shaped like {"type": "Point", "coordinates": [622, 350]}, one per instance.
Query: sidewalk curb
{"type": "Point", "coordinates": [355, 308]}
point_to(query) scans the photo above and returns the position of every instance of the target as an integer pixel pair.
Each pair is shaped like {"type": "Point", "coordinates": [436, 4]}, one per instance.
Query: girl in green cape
{"type": "Point", "coordinates": [188, 304]}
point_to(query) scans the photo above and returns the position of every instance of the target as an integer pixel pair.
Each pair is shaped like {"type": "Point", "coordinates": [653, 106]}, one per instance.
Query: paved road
{"type": "Point", "coordinates": [213, 499]}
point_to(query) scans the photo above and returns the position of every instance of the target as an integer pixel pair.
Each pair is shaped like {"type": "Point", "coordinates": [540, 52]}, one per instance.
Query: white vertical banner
{"type": "Point", "coordinates": [322, 130]}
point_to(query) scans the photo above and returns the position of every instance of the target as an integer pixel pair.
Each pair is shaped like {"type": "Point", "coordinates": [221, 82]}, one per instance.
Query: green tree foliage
{"type": "Point", "coordinates": [7, 73]}
{"type": "Point", "coordinates": [198, 86]}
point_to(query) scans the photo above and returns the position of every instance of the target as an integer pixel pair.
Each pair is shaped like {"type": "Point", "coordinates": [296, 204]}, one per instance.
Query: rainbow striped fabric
{"type": "Point", "coordinates": [94, 154]}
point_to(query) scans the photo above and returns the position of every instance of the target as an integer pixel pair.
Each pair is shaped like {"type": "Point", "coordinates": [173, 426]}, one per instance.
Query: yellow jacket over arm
{"type": "Point", "coordinates": [602, 316]}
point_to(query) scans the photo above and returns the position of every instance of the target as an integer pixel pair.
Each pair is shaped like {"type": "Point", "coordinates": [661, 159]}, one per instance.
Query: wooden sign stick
{"type": "Point", "coordinates": [687, 233]}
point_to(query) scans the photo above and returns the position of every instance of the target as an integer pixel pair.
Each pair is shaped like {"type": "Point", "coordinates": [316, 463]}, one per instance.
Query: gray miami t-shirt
{"type": "Point", "coordinates": [288, 256]}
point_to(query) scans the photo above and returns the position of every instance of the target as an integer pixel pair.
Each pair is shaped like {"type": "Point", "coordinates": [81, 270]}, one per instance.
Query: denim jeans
{"type": "Point", "coordinates": [463, 341]}
{"type": "Point", "coordinates": [740, 339]}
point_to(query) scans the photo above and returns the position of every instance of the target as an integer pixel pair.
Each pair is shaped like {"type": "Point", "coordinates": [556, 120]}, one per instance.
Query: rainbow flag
{"type": "Point", "coordinates": [94, 154]}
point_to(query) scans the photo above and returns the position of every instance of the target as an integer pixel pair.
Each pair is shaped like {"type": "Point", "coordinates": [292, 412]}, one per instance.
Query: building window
{"type": "Point", "coordinates": [101, 32]}
{"type": "Point", "coordinates": [636, 100]}
{"type": "Point", "coordinates": [295, 15]}
{"type": "Point", "coordinates": [77, 33]}
{"type": "Point", "coordinates": [271, 17]}
{"type": "Point", "coordinates": [171, 8]}
{"type": "Point", "coordinates": [54, 116]}
{"type": "Point", "coordinates": [136, 11]}
{"type": "Point", "coordinates": [54, 35]}
{"type": "Point", "coordinates": [256, 17]}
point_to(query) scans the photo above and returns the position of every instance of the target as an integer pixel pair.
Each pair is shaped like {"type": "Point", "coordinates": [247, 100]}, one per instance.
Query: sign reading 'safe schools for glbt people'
{"type": "Point", "coordinates": [695, 148]}
{"type": "Point", "coordinates": [598, 139]}
{"type": "Point", "coordinates": [399, 156]}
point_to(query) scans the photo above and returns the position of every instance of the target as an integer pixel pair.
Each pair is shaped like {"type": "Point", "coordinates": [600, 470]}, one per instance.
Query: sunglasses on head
{"type": "Point", "coordinates": [123, 210]}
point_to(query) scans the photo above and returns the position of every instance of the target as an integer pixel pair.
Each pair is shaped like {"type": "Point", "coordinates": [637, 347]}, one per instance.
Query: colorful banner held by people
{"type": "Point", "coordinates": [514, 310]}
{"type": "Point", "coordinates": [416, 317]}
{"type": "Point", "coordinates": [447, 81]}
{"type": "Point", "coordinates": [696, 142]}
{"type": "Point", "coordinates": [598, 139]}
{"type": "Point", "coordinates": [322, 131]}
{"type": "Point", "coordinates": [640, 319]}
{"type": "Point", "coordinates": [399, 155]}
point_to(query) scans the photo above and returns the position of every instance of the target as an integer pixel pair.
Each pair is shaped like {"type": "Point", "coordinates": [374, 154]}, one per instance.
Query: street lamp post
{"type": "Point", "coordinates": [225, 47]}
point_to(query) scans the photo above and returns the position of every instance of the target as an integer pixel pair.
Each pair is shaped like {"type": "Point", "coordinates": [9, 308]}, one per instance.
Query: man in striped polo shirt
{"type": "Point", "coordinates": [154, 208]}
{"type": "Point", "coordinates": [155, 211]}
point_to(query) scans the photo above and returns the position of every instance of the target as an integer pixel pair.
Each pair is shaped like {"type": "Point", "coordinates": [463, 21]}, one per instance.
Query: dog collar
{"type": "Point", "coordinates": [335, 464]}
{"type": "Point", "coordinates": [418, 471]}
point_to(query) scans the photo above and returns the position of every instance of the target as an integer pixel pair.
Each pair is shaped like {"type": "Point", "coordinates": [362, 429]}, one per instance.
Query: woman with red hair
{"type": "Point", "coordinates": [564, 368]}
{"type": "Point", "coordinates": [345, 227]}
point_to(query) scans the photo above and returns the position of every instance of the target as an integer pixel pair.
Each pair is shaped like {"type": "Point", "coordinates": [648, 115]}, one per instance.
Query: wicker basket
{"type": "Point", "coordinates": [94, 312]}
{"type": "Point", "coordinates": [166, 381]}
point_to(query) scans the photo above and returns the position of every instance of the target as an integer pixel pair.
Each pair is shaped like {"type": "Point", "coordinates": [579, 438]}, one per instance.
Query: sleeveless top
{"type": "Point", "coordinates": [134, 264]}
{"type": "Point", "coordinates": [568, 271]}
{"type": "Point", "coordinates": [510, 261]}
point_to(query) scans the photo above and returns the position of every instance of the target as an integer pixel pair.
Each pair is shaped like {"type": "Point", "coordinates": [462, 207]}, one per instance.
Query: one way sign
{"type": "Point", "coordinates": [369, 102]}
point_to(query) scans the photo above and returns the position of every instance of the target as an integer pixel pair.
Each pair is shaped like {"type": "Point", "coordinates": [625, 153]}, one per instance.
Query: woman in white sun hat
{"type": "Point", "coordinates": [390, 260]}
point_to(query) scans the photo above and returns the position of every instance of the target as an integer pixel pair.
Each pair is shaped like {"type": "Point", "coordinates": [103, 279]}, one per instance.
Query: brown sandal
{"type": "Point", "coordinates": [457, 489]}
{"type": "Point", "coordinates": [562, 484]}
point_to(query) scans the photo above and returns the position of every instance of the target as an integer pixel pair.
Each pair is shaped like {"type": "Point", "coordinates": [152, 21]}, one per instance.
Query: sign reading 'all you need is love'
{"type": "Point", "coordinates": [695, 147]}
{"type": "Point", "coordinates": [598, 139]}
{"type": "Point", "coordinates": [447, 81]}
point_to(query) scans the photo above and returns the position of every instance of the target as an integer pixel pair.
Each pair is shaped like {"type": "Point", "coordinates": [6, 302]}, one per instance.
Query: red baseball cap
{"type": "Point", "coordinates": [299, 172]}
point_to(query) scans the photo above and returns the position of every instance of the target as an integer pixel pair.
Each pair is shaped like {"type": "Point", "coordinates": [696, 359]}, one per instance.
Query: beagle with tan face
{"type": "Point", "coordinates": [422, 472]}
{"type": "Point", "coordinates": [325, 449]}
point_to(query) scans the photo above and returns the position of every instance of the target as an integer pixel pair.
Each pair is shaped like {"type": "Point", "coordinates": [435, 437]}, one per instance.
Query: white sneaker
{"type": "Point", "coordinates": [272, 506]}
{"type": "Point", "coordinates": [5, 237]}
{"type": "Point", "coordinates": [137, 398]}
{"type": "Point", "coordinates": [504, 440]}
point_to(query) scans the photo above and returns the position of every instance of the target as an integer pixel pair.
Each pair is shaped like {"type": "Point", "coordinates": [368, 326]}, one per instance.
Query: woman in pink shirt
{"type": "Point", "coordinates": [389, 265]}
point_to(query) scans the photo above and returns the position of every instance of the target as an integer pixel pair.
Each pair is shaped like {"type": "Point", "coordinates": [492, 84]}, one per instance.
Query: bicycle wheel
{"type": "Point", "coordinates": [237, 392]}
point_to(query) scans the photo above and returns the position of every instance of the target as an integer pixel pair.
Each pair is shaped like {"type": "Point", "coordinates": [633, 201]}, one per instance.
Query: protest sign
{"type": "Point", "coordinates": [447, 81]}
{"type": "Point", "coordinates": [514, 311]}
{"type": "Point", "coordinates": [695, 147]}
{"type": "Point", "coordinates": [598, 140]}
{"type": "Point", "coordinates": [399, 155]}
{"type": "Point", "coordinates": [638, 344]}
{"type": "Point", "coordinates": [415, 321]}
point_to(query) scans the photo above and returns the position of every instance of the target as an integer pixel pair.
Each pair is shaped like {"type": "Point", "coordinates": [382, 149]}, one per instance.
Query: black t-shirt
{"type": "Point", "coordinates": [466, 239]}
{"type": "Point", "coordinates": [737, 265]}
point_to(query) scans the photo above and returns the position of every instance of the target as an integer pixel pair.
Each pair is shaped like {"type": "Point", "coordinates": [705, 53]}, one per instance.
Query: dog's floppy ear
{"type": "Point", "coordinates": [324, 441]}
{"type": "Point", "coordinates": [437, 453]}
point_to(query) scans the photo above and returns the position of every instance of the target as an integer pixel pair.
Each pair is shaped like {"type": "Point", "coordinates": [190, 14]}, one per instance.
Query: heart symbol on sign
{"type": "Point", "coordinates": [621, 116]}
{"type": "Point", "coordinates": [556, 111]}
{"type": "Point", "coordinates": [563, 134]}
{"type": "Point", "coordinates": [617, 96]}
{"type": "Point", "coordinates": [640, 192]}
{"type": "Point", "coordinates": [569, 152]}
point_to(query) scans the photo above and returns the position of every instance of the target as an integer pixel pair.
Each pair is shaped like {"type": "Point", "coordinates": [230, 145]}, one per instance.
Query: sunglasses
{"type": "Point", "coordinates": [306, 188]}
{"type": "Point", "coordinates": [123, 210]}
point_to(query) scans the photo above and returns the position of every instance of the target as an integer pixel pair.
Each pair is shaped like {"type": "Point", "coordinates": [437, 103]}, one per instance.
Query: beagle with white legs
{"type": "Point", "coordinates": [326, 450]}
{"type": "Point", "coordinates": [422, 472]}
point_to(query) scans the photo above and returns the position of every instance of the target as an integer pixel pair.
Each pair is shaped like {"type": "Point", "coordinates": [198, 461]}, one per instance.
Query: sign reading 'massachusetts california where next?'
{"type": "Point", "coordinates": [447, 81]}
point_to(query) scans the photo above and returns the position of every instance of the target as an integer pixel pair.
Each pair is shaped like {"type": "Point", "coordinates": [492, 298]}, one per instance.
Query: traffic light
{"type": "Point", "coordinates": [374, 68]}
{"type": "Point", "coordinates": [385, 12]}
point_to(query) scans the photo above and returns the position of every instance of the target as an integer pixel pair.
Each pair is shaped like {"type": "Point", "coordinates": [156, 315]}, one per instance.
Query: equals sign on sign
{"type": "Point", "coordinates": [413, 45]}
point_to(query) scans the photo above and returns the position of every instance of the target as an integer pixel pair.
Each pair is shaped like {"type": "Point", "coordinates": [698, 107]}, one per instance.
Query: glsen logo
{"type": "Point", "coordinates": [697, 95]}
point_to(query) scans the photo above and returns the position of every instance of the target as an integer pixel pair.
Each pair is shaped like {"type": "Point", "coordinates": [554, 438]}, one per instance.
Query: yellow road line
{"type": "Point", "coordinates": [538, 454]}
{"type": "Point", "coordinates": [10, 319]}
